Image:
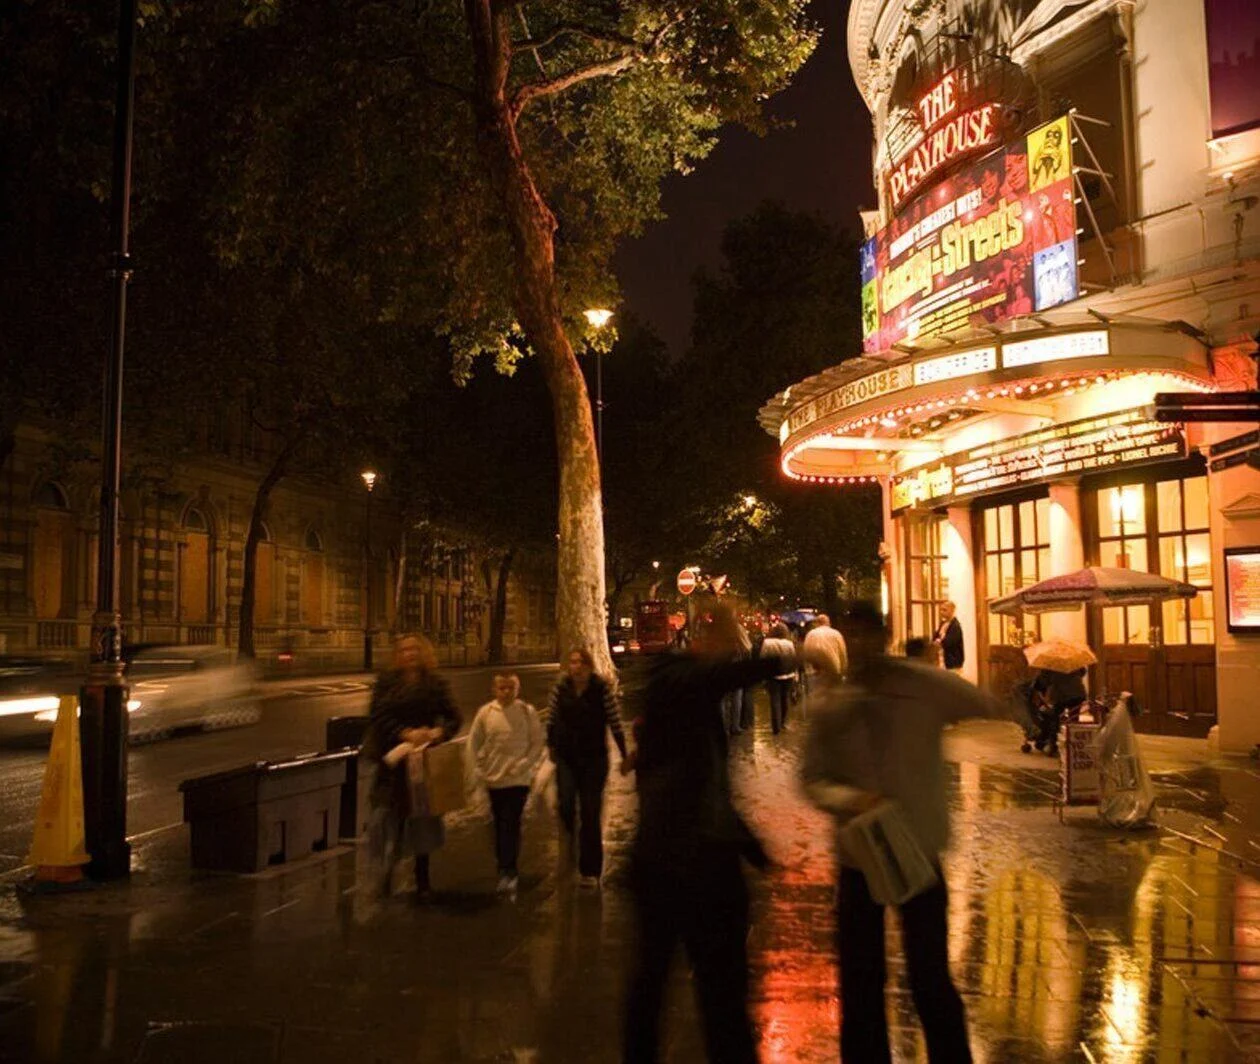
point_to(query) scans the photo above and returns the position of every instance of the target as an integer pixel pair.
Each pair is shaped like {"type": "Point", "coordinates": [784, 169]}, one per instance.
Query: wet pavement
{"type": "Point", "coordinates": [1070, 942]}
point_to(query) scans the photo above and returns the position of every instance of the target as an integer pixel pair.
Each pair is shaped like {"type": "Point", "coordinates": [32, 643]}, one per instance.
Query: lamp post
{"type": "Point", "coordinates": [369, 482]}
{"type": "Point", "coordinates": [103, 716]}
{"type": "Point", "coordinates": [598, 318]}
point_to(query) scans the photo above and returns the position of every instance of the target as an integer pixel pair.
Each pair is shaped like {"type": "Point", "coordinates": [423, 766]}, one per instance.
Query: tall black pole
{"type": "Point", "coordinates": [104, 698]}
{"type": "Point", "coordinates": [367, 566]}
{"type": "Point", "coordinates": [599, 413]}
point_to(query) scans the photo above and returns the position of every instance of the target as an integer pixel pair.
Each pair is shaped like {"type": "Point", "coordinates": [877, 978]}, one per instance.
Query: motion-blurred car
{"type": "Point", "coordinates": [29, 692]}
{"type": "Point", "coordinates": [183, 686]}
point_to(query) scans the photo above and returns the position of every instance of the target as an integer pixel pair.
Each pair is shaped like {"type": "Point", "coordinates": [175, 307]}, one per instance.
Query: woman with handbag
{"type": "Point", "coordinates": [411, 704]}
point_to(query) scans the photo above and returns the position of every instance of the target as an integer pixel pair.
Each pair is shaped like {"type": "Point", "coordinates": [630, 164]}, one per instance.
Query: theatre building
{"type": "Point", "coordinates": [1068, 226]}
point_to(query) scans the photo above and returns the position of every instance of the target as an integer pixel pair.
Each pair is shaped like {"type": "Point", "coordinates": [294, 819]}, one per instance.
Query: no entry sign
{"type": "Point", "coordinates": [686, 582]}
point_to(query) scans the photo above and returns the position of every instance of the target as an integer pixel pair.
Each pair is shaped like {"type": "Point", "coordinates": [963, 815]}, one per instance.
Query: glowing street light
{"type": "Point", "coordinates": [598, 317]}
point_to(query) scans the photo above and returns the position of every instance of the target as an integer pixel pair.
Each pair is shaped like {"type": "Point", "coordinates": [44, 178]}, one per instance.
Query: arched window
{"type": "Point", "coordinates": [266, 594]}
{"type": "Point", "coordinates": [313, 579]}
{"type": "Point", "coordinates": [53, 542]}
{"type": "Point", "coordinates": [51, 497]}
{"type": "Point", "coordinates": [194, 568]}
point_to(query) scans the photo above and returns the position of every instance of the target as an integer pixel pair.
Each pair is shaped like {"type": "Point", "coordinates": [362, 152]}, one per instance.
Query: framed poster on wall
{"type": "Point", "coordinates": [1242, 589]}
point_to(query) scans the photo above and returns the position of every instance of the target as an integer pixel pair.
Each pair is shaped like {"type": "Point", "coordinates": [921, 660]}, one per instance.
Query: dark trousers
{"type": "Point", "coordinates": [507, 804]}
{"type": "Point", "coordinates": [708, 914]}
{"type": "Point", "coordinates": [860, 938]}
{"type": "Point", "coordinates": [779, 691]}
{"type": "Point", "coordinates": [580, 795]}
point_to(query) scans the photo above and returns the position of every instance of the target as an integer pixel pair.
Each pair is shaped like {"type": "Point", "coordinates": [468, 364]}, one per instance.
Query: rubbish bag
{"type": "Point", "coordinates": [1127, 796]}
{"type": "Point", "coordinates": [890, 857]}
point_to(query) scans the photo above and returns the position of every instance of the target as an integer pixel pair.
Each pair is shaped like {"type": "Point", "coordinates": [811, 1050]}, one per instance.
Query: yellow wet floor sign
{"type": "Point", "coordinates": [59, 849]}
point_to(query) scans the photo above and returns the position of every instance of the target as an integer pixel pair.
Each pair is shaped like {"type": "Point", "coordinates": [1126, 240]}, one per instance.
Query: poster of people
{"type": "Point", "coordinates": [994, 241]}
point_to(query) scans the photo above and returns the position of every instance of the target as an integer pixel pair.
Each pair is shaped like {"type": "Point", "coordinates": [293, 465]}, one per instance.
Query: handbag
{"type": "Point", "coordinates": [437, 770]}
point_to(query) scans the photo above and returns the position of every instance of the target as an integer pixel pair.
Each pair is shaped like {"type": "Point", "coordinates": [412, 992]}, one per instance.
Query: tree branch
{"type": "Point", "coordinates": [575, 29]}
{"type": "Point", "coordinates": [536, 89]}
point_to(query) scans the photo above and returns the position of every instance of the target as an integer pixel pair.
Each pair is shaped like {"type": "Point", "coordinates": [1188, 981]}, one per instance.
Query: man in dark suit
{"type": "Point", "coordinates": [949, 638]}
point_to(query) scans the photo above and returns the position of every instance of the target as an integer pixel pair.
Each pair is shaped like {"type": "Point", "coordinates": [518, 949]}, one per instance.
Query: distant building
{"type": "Point", "coordinates": [1068, 223]}
{"type": "Point", "coordinates": [183, 539]}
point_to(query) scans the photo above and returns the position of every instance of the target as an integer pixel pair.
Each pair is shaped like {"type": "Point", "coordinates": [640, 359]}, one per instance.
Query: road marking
{"type": "Point", "coordinates": [213, 923]}
{"type": "Point", "coordinates": [281, 908]}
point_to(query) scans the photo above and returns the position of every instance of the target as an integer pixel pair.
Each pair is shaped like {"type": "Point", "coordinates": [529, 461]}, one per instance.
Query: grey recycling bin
{"type": "Point", "coordinates": [340, 733]}
{"type": "Point", "coordinates": [267, 813]}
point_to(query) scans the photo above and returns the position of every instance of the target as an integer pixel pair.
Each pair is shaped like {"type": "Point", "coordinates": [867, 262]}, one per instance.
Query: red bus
{"type": "Point", "coordinates": [651, 627]}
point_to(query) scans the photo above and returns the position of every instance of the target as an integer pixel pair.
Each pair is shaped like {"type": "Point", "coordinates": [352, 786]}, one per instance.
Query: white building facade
{"type": "Point", "coordinates": [1069, 225]}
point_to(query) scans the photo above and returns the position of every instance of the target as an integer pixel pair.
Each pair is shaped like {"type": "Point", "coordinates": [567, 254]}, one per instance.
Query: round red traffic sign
{"type": "Point", "coordinates": [686, 581]}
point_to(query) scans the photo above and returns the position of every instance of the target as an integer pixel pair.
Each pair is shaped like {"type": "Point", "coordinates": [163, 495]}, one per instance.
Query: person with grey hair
{"type": "Point", "coordinates": [876, 739]}
{"type": "Point", "coordinates": [824, 648]}
{"type": "Point", "coordinates": [949, 637]}
{"type": "Point", "coordinates": [778, 644]}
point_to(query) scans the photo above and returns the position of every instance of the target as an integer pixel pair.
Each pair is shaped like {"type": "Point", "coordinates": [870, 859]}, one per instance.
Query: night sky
{"type": "Point", "coordinates": [821, 164]}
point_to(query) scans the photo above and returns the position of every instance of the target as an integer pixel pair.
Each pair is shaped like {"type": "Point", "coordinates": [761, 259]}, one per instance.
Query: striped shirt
{"type": "Point", "coordinates": [577, 724]}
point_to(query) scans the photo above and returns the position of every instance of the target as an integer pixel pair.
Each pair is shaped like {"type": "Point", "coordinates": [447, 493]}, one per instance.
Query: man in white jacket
{"type": "Point", "coordinates": [506, 745]}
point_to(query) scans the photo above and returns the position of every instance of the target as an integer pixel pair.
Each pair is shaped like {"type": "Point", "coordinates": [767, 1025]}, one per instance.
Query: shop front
{"type": "Point", "coordinates": [1025, 455]}
{"type": "Point", "coordinates": [1067, 227]}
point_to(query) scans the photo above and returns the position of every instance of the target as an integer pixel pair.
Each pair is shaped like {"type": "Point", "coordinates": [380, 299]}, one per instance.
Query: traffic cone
{"type": "Point", "coordinates": [59, 850]}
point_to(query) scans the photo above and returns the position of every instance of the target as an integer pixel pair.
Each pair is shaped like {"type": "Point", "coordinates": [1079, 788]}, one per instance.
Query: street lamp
{"type": "Point", "coordinates": [103, 713]}
{"type": "Point", "coordinates": [598, 317]}
{"type": "Point", "coordinates": [369, 482]}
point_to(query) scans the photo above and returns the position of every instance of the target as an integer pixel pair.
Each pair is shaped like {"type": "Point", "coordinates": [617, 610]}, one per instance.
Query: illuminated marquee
{"type": "Point", "coordinates": [1071, 449]}
{"type": "Point", "coordinates": [872, 386]}
{"type": "Point", "coordinates": [995, 241]}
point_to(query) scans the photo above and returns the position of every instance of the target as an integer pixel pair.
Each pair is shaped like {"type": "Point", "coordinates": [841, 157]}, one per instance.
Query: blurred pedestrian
{"type": "Point", "coordinates": [747, 705]}
{"type": "Point", "coordinates": [581, 711]}
{"type": "Point", "coordinates": [733, 701]}
{"type": "Point", "coordinates": [778, 644]}
{"type": "Point", "coordinates": [949, 637]}
{"type": "Point", "coordinates": [925, 650]}
{"type": "Point", "coordinates": [506, 744]}
{"type": "Point", "coordinates": [826, 645]}
{"type": "Point", "coordinates": [878, 738]}
{"type": "Point", "coordinates": [411, 704]}
{"type": "Point", "coordinates": [685, 871]}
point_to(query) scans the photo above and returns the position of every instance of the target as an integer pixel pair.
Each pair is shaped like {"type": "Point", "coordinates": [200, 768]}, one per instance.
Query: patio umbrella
{"type": "Point", "coordinates": [1058, 655]}
{"type": "Point", "coordinates": [1094, 586]}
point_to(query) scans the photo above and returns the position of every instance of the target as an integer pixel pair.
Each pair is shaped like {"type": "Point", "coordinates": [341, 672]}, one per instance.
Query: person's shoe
{"type": "Point", "coordinates": [589, 883]}
{"type": "Point", "coordinates": [507, 884]}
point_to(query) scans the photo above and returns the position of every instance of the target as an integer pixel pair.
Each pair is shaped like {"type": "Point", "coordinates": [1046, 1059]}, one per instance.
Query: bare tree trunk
{"type": "Point", "coordinates": [400, 585]}
{"type": "Point", "coordinates": [498, 608]}
{"type": "Point", "coordinates": [262, 497]}
{"type": "Point", "coordinates": [580, 590]}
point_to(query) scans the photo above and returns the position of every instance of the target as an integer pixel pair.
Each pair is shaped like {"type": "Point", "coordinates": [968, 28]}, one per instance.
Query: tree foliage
{"type": "Point", "coordinates": [783, 306]}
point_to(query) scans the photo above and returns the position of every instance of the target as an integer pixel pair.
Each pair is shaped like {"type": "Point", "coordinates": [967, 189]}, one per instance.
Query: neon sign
{"type": "Point", "coordinates": [949, 133]}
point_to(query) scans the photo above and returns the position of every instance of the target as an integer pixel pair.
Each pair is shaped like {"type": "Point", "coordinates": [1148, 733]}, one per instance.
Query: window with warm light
{"type": "Point", "coordinates": [1161, 528]}
{"type": "Point", "coordinates": [1122, 544]}
{"type": "Point", "coordinates": [1016, 555]}
{"type": "Point", "coordinates": [1185, 553]}
{"type": "Point", "coordinates": [926, 585]}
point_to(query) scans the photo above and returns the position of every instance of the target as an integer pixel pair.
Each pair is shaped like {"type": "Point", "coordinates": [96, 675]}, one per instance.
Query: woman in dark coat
{"type": "Point", "coordinates": [411, 703]}
{"type": "Point", "coordinates": [580, 713]}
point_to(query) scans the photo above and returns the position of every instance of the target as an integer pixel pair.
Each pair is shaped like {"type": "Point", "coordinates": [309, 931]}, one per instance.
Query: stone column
{"type": "Point", "coordinates": [959, 571]}
{"type": "Point", "coordinates": [892, 570]}
{"type": "Point", "coordinates": [1067, 554]}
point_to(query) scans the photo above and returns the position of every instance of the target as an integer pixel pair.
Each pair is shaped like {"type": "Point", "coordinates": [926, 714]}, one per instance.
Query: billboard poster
{"type": "Point", "coordinates": [993, 241]}
{"type": "Point", "coordinates": [1233, 35]}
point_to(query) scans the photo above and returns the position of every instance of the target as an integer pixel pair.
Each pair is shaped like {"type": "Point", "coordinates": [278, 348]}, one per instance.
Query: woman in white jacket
{"type": "Point", "coordinates": [506, 744]}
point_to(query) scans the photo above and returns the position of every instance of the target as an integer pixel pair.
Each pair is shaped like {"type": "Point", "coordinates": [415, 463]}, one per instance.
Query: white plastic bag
{"type": "Point", "coordinates": [543, 789]}
{"type": "Point", "coordinates": [1127, 796]}
{"type": "Point", "coordinates": [890, 857]}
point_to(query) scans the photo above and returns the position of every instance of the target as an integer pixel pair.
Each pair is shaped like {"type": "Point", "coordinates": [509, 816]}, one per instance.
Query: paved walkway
{"type": "Point", "coordinates": [1071, 942]}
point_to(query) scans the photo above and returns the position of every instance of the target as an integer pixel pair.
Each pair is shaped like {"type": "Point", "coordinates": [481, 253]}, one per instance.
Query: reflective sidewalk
{"type": "Point", "coordinates": [1071, 942]}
